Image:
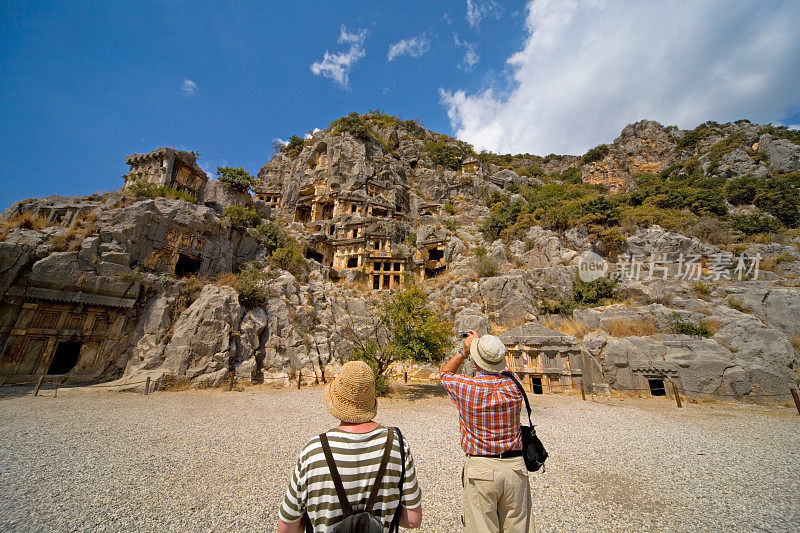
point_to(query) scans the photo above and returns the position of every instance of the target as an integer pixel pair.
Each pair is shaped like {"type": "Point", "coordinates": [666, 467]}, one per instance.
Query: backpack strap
{"type": "Point", "coordinates": [524, 396]}
{"type": "Point", "coordinates": [337, 479]}
{"type": "Point", "coordinates": [387, 451]}
{"type": "Point", "coordinates": [395, 525]}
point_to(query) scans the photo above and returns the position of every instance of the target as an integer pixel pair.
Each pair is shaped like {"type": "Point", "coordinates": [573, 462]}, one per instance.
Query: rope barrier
{"type": "Point", "coordinates": [102, 385]}
{"type": "Point", "coordinates": [317, 378]}
{"type": "Point", "coordinates": [691, 391]}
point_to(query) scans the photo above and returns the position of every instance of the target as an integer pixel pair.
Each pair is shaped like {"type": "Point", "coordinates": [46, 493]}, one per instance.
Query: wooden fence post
{"type": "Point", "coordinates": [38, 386]}
{"type": "Point", "coordinates": [299, 379]}
{"type": "Point", "coordinates": [233, 379]}
{"type": "Point", "coordinates": [583, 391]}
{"type": "Point", "coordinates": [405, 376]}
{"type": "Point", "coordinates": [147, 385]}
{"type": "Point", "coordinates": [796, 400]}
{"type": "Point", "coordinates": [677, 394]}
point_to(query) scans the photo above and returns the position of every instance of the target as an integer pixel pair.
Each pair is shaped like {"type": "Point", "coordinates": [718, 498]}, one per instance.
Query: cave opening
{"type": "Point", "coordinates": [65, 358]}
{"type": "Point", "coordinates": [316, 256]}
{"type": "Point", "coordinates": [433, 272]}
{"type": "Point", "coordinates": [657, 387]}
{"type": "Point", "coordinates": [187, 265]}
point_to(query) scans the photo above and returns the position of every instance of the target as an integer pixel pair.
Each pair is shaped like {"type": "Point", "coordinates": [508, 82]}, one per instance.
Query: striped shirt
{"type": "Point", "coordinates": [358, 457]}
{"type": "Point", "coordinates": [488, 411]}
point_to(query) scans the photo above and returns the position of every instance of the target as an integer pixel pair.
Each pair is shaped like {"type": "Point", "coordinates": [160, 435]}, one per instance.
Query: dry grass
{"type": "Point", "coordinates": [701, 289]}
{"type": "Point", "coordinates": [230, 279]}
{"type": "Point", "coordinates": [22, 221]}
{"type": "Point", "coordinates": [735, 302]}
{"type": "Point", "coordinates": [772, 262]}
{"type": "Point", "coordinates": [82, 227]}
{"type": "Point", "coordinates": [623, 327]}
{"type": "Point", "coordinates": [713, 326]}
{"type": "Point", "coordinates": [567, 326]}
{"type": "Point", "coordinates": [174, 383]}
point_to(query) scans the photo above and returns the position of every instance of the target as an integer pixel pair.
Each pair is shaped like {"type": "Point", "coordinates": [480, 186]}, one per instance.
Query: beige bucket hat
{"type": "Point", "coordinates": [489, 353]}
{"type": "Point", "coordinates": [350, 397]}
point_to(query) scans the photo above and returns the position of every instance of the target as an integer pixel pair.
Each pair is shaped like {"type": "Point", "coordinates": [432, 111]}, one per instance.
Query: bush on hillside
{"type": "Point", "coordinates": [271, 236]}
{"type": "Point", "coordinates": [242, 217]}
{"type": "Point", "coordinates": [289, 257]}
{"type": "Point", "coordinates": [353, 124]}
{"type": "Point", "coordinates": [752, 224]}
{"type": "Point", "coordinates": [595, 154]}
{"type": "Point", "coordinates": [444, 154]}
{"type": "Point", "coordinates": [250, 284]}
{"type": "Point", "coordinates": [141, 188]}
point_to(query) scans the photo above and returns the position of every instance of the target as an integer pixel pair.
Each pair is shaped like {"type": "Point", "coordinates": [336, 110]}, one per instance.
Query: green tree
{"type": "Point", "coordinates": [418, 332]}
{"type": "Point", "coordinates": [403, 328]}
{"type": "Point", "coordinates": [237, 179]}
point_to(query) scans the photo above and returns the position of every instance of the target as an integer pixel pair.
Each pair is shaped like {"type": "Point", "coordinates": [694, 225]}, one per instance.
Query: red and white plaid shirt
{"type": "Point", "coordinates": [488, 411]}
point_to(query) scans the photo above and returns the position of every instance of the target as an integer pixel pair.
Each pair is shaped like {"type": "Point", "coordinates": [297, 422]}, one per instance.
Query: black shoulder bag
{"type": "Point", "coordinates": [532, 448]}
{"type": "Point", "coordinates": [395, 526]}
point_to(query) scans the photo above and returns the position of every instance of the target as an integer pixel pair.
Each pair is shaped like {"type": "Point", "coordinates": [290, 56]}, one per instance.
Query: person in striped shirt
{"type": "Point", "coordinates": [496, 495]}
{"type": "Point", "coordinates": [357, 446]}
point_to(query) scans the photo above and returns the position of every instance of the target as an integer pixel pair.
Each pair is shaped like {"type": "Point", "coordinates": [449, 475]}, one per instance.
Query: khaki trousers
{"type": "Point", "coordinates": [496, 496]}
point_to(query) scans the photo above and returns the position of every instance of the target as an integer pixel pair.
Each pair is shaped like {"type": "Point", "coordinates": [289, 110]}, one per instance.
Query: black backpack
{"type": "Point", "coordinates": [364, 521]}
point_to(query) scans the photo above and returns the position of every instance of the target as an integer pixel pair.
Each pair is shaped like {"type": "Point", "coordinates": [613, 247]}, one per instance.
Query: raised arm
{"type": "Point", "coordinates": [456, 361]}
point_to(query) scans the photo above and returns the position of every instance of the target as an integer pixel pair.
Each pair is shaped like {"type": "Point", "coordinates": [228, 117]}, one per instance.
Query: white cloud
{"type": "Point", "coordinates": [310, 134]}
{"type": "Point", "coordinates": [337, 66]}
{"type": "Point", "coordinates": [589, 68]}
{"type": "Point", "coordinates": [477, 11]}
{"type": "Point", "coordinates": [471, 56]}
{"type": "Point", "coordinates": [414, 47]}
{"type": "Point", "coordinates": [188, 87]}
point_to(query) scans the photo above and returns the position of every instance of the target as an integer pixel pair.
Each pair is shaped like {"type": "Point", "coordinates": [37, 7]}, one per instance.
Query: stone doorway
{"type": "Point", "coordinates": [536, 385]}
{"type": "Point", "coordinates": [314, 255]}
{"type": "Point", "coordinates": [187, 265]}
{"type": "Point", "coordinates": [657, 387]}
{"type": "Point", "coordinates": [65, 358]}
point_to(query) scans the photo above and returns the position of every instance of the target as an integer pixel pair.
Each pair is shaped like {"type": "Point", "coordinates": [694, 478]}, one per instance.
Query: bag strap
{"type": "Point", "coordinates": [395, 525]}
{"type": "Point", "coordinates": [337, 479]}
{"type": "Point", "coordinates": [524, 396]}
{"type": "Point", "coordinates": [387, 451]}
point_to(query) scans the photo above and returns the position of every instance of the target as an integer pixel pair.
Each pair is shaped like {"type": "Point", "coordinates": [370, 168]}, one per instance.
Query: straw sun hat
{"type": "Point", "coordinates": [489, 353]}
{"type": "Point", "coordinates": [350, 397]}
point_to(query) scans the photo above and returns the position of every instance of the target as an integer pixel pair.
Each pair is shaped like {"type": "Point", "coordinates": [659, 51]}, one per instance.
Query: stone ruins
{"type": "Point", "coordinates": [117, 287]}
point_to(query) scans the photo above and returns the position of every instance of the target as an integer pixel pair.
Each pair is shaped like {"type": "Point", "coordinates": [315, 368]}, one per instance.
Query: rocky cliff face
{"type": "Point", "coordinates": [110, 286]}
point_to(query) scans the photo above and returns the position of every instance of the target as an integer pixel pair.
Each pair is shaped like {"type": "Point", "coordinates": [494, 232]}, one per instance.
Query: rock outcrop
{"type": "Point", "coordinates": [117, 287]}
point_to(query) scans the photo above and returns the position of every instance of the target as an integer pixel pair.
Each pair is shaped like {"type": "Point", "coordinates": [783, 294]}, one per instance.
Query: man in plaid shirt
{"type": "Point", "coordinates": [496, 495]}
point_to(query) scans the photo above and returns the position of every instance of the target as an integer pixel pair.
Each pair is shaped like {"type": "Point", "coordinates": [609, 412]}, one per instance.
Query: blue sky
{"type": "Point", "coordinates": [83, 84]}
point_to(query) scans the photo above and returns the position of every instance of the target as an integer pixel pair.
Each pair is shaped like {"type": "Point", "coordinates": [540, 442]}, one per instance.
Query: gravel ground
{"type": "Point", "coordinates": [214, 460]}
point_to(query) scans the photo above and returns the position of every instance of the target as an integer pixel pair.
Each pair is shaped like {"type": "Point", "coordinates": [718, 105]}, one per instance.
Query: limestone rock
{"type": "Point", "coordinates": [783, 154]}
{"type": "Point", "coordinates": [221, 197]}
{"type": "Point", "coordinates": [202, 340]}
